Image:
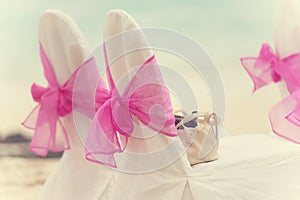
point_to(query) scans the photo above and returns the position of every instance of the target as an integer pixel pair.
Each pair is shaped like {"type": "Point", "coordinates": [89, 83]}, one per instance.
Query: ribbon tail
{"type": "Point", "coordinates": [60, 141]}
{"type": "Point", "coordinates": [44, 140]}
{"type": "Point", "coordinates": [31, 119]}
{"type": "Point", "coordinates": [48, 69]}
{"type": "Point", "coordinates": [102, 141]}
{"type": "Point", "coordinates": [49, 134]}
{"type": "Point", "coordinates": [285, 119]}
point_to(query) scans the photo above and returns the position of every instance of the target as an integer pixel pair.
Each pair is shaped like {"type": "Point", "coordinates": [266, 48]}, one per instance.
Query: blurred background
{"type": "Point", "coordinates": [227, 29]}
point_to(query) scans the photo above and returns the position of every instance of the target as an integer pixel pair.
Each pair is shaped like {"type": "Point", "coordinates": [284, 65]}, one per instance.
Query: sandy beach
{"type": "Point", "coordinates": [22, 178]}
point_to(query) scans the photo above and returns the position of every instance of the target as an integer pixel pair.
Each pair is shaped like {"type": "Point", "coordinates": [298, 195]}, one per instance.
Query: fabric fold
{"type": "Point", "coordinates": [285, 118]}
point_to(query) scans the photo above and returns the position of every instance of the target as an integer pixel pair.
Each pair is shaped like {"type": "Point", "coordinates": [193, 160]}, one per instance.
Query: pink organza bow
{"type": "Point", "coordinates": [145, 97]}
{"type": "Point", "coordinates": [55, 101]}
{"type": "Point", "coordinates": [267, 68]}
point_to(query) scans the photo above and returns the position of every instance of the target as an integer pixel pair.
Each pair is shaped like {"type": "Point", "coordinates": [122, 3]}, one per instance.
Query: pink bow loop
{"type": "Point", "coordinates": [262, 69]}
{"type": "Point", "coordinates": [55, 101]}
{"type": "Point", "coordinates": [37, 92]}
{"type": "Point", "coordinates": [145, 97]}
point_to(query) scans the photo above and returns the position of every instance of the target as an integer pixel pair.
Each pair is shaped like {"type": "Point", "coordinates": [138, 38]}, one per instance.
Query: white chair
{"type": "Point", "coordinates": [66, 48]}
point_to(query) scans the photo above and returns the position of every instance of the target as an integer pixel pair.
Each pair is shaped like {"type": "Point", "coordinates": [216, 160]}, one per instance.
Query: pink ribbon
{"type": "Point", "coordinates": [285, 118]}
{"type": "Point", "coordinates": [55, 101]}
{"type": "Point", "coordinates": [267, 68]}
{"type": "Point", "coordinates": [145, 97]}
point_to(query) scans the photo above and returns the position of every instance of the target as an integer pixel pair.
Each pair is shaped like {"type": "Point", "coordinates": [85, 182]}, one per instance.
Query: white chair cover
{"type": "Point", "coordinates": [117, 22]}
{"type": "Point", "coordinates": [66, 49]}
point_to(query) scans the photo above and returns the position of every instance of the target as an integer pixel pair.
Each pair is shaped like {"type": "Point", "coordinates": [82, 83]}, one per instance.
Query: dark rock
{"type": "Point", "coordinates": [54, 154]}
{"type": "Point", "coordinates": [22, 150]}
{"type": "Point", "coordinates": [17, 145]}
{"type": "Point", "coordinates": [15, 138]}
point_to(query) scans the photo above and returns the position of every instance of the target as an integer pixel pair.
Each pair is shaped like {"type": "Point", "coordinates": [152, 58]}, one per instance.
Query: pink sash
{"type": "Point", "coordinates": [145, 97]}
{"type": "Point", "coordinates": [267, 68]}
{"type": "Point", "coordinates": [55, 101]}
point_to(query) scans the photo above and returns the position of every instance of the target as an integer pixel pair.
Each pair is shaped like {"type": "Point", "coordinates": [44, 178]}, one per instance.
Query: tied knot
{"type": "Point", "coordinates": [117, 107]}
{"type": "Point", "coordinates": [61, 98]}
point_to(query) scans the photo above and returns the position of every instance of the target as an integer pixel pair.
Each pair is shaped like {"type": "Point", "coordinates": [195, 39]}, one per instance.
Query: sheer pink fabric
{"type": "Point", "coordinates": [55, 101]}
{"type": "Point", "coordinates": [267, 68]}
{"type": "Point", "coordinates": [285, 118]}
{"type": "Point", "coordinates": [145, 97]}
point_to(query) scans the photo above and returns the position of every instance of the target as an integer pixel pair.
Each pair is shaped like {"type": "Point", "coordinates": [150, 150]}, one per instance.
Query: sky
{"type": "Point", "coordinates": [227, 29]}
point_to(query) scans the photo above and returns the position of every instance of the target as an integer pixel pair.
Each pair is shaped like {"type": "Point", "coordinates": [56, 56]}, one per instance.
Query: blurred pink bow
{"type": "Point", "coordinates": [55, 101]}
{"type": "Point", "coordinates": [268, 67]}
